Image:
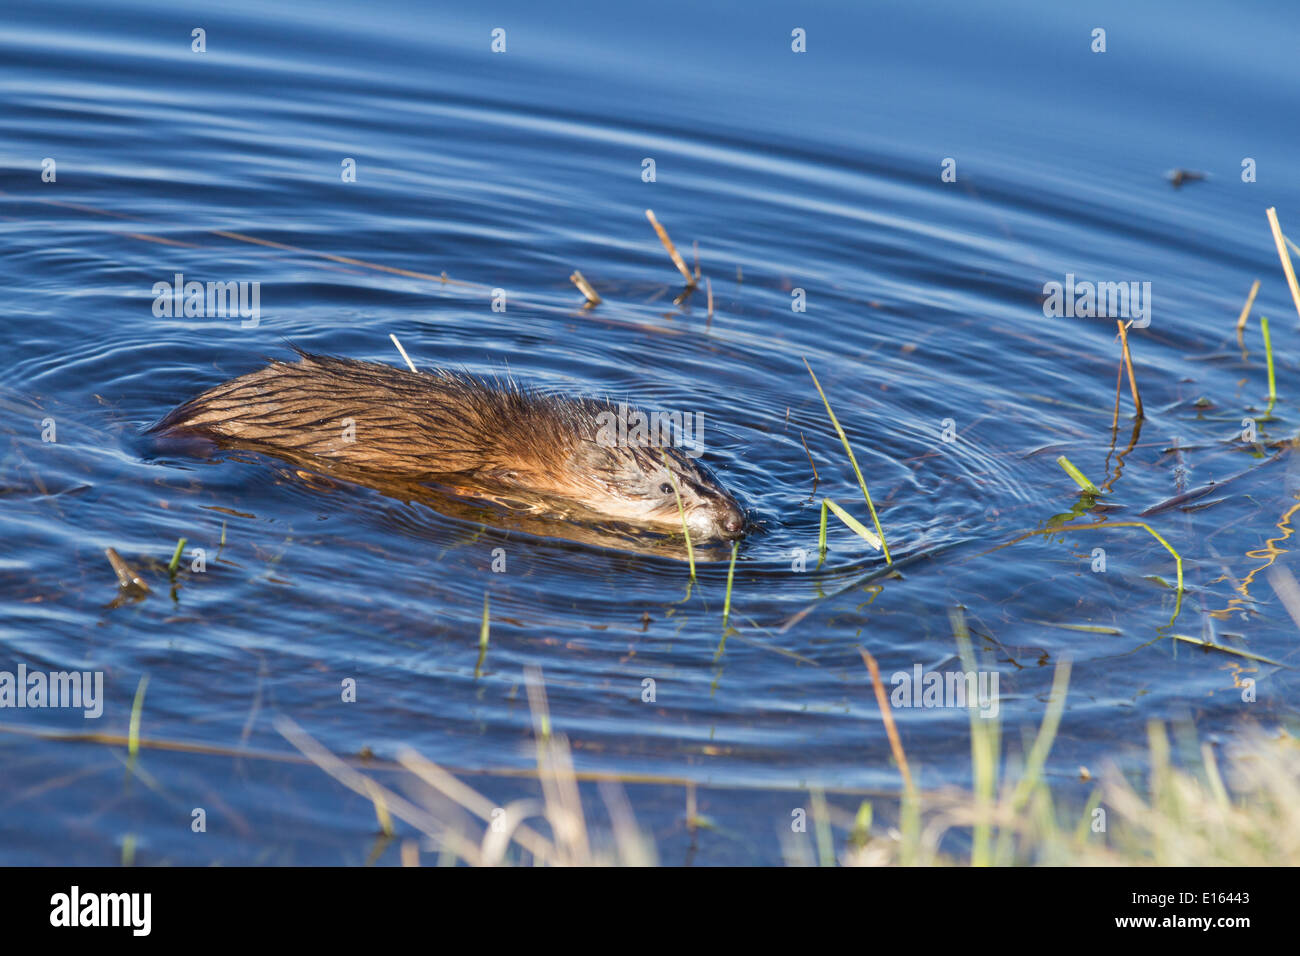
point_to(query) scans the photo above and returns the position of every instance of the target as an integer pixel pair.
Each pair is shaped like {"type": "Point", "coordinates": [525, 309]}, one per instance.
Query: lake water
{"type": "Point", "coordinates": [814, 184]}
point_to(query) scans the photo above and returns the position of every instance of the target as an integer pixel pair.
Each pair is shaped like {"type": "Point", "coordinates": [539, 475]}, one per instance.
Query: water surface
{"type": "Point", "coordinates": [808, 177]}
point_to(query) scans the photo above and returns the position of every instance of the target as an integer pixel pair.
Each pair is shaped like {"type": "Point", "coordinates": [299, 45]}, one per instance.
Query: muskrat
{"type": "Point", "coordinates": [474, 436]}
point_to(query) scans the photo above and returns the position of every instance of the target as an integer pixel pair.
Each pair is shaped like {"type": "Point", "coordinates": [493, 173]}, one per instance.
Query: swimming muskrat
{"type": "Point", "coordinates": [473, 436]}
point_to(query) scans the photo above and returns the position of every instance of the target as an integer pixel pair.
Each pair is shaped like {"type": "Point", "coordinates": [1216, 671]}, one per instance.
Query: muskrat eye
{"type": "Point", "coordinates": [665, 489]}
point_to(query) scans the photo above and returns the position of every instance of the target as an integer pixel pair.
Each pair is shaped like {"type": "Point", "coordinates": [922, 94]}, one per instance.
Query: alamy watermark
{"type": "Point", "coordinates": [920, 688]}
{"type": "Point", "coordinates": [240, 299]}
{"type": "Point", "coordinates": [129, 910]}
{"type": "Point", "coordinates": [83, 690]}
{"type": "Point", "coordinates": [1093, 300]}
{"type": "Point", "coordinates": [631, 427]}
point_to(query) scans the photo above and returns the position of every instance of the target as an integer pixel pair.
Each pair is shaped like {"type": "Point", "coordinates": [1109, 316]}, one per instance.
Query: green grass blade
{"type": "Point", "coordinates": [853, 461]}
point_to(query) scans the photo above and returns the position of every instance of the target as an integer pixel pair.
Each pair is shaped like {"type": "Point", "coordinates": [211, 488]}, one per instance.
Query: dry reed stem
{"type": "Point", "coordinates": [1245, 313]}
{"type": "Point", "coordinates": [1119, 384]}
{"type": "Point", "coordinates": [1284, 256]}
{"type": "Point", "coordinates": [126, 577]}
{"type": "Point", "coordinates": [585, 287]}
{"type": "Point", "coordinates": [1128, 362]}
{"type": "Point", "coordinates": [678, 261]}
{"type": "Point", "coordinates": [409, 363]}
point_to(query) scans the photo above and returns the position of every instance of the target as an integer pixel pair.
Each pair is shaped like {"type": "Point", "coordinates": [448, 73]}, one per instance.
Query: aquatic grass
{"type": "Point", "coordinates": [676, 256]}
{"type": "Point", "coordinates": [1078, 476]}
{"type": "Point", "coordinates": [137, 712]}
{"type": "Point", "coordinates": [708, 292]}
{"type": "Point", "coordinates": [1268, 353]}
{"type": "Point", "coordinates": [1285, 256]}
{"type": "Point", "coordinates": [1101, 525]}
{"type": "Point", "coordinates": [1201, 642]}
{"type": "Point", "coordinates": [884, 546]}
{"type": "Point", "coordinates": [853, 523]}
{"type": "Point", "coordinates": [176, 557]}
{"type": "Point", "coordinates": [731, 573]}
{"type": "Point", "coordinates": [681, 509]}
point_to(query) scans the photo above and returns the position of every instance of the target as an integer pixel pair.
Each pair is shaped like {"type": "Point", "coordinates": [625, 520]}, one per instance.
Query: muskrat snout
{"type": "Point", "coordinates": [733, 523]}
{"type": "Point", "coordinates": [644, 483]}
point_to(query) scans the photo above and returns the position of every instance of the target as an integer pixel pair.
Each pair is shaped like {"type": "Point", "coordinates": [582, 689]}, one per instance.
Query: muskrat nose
{"type": "Point", "coordinates": [733, 523]}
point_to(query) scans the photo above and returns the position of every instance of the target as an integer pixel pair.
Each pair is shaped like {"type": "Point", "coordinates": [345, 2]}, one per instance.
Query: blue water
{"type": "Point", "coordinates": [817, 171]}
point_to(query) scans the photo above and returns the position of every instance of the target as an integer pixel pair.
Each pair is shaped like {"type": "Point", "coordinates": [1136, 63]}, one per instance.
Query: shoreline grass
{"type": "Point", "coordinates": [1009, 816]}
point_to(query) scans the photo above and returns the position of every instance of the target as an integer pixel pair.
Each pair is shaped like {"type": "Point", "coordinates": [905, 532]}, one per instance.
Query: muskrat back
{"type": "Point", "coordinates": [459, 430]}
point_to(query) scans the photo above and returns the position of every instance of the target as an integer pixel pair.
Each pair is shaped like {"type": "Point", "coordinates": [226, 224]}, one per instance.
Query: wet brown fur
{"type": "Point", "coordinates": [449, 428]}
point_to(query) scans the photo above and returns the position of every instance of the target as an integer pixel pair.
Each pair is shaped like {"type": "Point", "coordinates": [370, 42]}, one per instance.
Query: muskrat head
{"type": "Point", "coordinates": [560, 449]}
{"type": "Point", "coordinates": [637, 482]}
